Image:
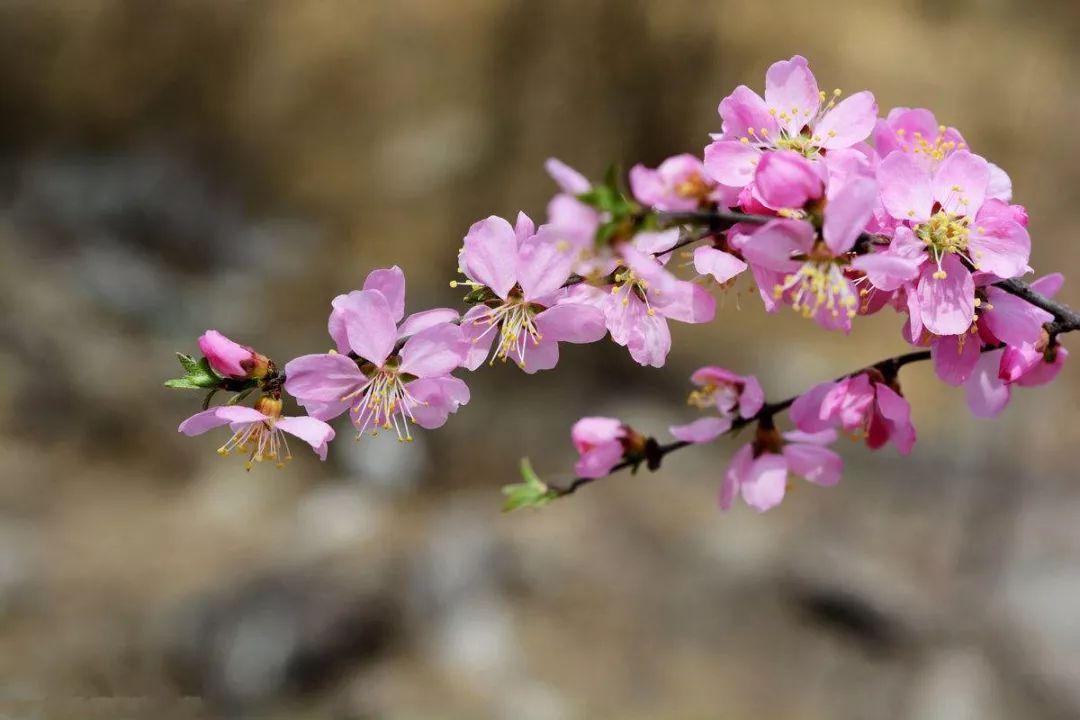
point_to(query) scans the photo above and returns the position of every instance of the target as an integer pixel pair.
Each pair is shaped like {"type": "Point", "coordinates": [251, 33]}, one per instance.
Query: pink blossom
{"type": "Point", "coordinates": [861, 404]}
{"type": "Point", "coordinates": [786, 179]}
{"type": "Point", "coordinates": [916, 132]}
{"type": "Point", "coordinates": [949, 211]}
{"type": "Point", "coordinates": [813, 274]}
{"type": "Point", "coordinates": [645, 296]}
{"type": "Point", "coordinates": [529, 310]}
{"type": "Point", "coordinates": [678, 184]}
{"type": "Point", "coordinates": [794, 115]}
{"type": "Point", "coordinates": [759, 470]}
{"type": "Point", "coordinates": [260, 431]}
{"type": "Point", "coordinates": [726, 392]}
{"type": "Point", "coordinates": [385, 374]}
{"type": "Point", "coordinates": [230, 359]}
{"type": "Point", "coordinates": [600, 444]}
{"type": "Point", "coordinates": [576, 222]}
{"type": "Point", "coordinates": [721, 265]}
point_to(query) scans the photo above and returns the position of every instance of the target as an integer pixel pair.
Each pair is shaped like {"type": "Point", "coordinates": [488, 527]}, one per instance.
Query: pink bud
{"type": "Point", "coordinates": [230, 359]}
{"type": "Point", "coordinates": [785, 179]}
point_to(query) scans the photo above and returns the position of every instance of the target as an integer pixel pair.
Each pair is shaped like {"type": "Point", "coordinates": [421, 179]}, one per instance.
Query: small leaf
{"type": "Point", "coordinates": [187, 362]}
{"type": "Point", "coordinates": [181, 384]}
{"type": "Point", "coordinates": [198, 375]}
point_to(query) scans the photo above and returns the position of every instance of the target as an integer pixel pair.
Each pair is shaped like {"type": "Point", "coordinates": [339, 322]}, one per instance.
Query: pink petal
{"type": "Point", "coordinates": [434, 352]}
{"type": "Point", "coordinates": [773, 245]}
{"type": "Point", "coordinates": [738, 469]}
{"type": "Point", "coordinates": [437, 398]}
{"type": "Point", "coordinates": [790, 88]}
{"type": "Point", "coordinates": [314, 432]}
{"type": "Point", "coordinates": [850, 122]}
{"type": "Point", "coordinates": [744, 109]}
{"type": "Point", "coordinates": [885, 271]}
{"type": "Point", "coordinates": [997, 243]}
{"type": "Point", "coordinates": [947, 305]}
{"type": "Point", "coordinates": [702, 430]}
{"type": "Point", "coordinates": [817, 464]}
{"type": "Point", "coordinates": [391, 283]}
{"type": "Point", "coordinates": [905, 187]}
{"type": "Point", "coordinates": [226, 357]}
{"type": "Point", "coordinates": [971, 174]}
{"type": "Point", "coordinates": [544, 263]}
{"type": "Point", "coordinates": [538, 356]}
{"type": "Point", "coordinates": [1000, 186]}
{"type": "Point", "coordinates": [1013, 321]}
{"type": "Point", "coordinates": [593, 430]}
{"type": "Point", "coordinates": [897, 411]}
{"type": "Point", "coordinates": [986, 394]}
{"type": "Point", "coordinates": [571, 322]}
{"type": "Point", "coordinates": [369, 325]}
{"type": "Point", "coordinates": [821, 437]}
{"type": "Point", "coordinates": [598, 461]}
{"type": "Point", "coordinates": [650, 341]}
{"type": "Point", "coordinates": [490, 253]}
{"type": "Point", "coordinates": [655, 243]}
{"type": "Point", "coordinates": [650, 190]}
{"type": "Point", "coordinates": [215, 417]}
{"type": "Point", "coordinates": [319, 382]}
{"type": "Point", "coordinates": [786, 179]}
{"type": "Point", "coordinates": [721, 265]}
{"type": "Point", "coordinates": [1048, 285]}
{"type": "Point", "coordinates": [955, 356]}
{"type": "Point", "coordinates": [847, 214]}
{"type": "Point", "coordinates": [752, 398]}
{"type": "Point", "coordinates": [524, 227]}
{"type": "Point", "coordinates": [731, 162]}
{"type": "Point", "coordinates": [806, 410]}
{"type": "Point", "coordinates": [1044, 372]}
{"type": "Point", "coordinates": [424, 319]}
{"type": "Point", "coordinates": [479, 334]}
{"type": "Point", "coordinates": [766, 482]}
{"type": "Point", "coordinates": [566, 177]}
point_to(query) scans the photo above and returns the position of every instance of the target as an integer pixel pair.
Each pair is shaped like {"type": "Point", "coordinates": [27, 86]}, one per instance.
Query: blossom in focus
{"type": "Point", "coordinates": [260, 431]}
{"type": "Point", "coordinates": [948, 211]}
{"type": "Point", "coordinates": [230, 359]}
{"type": "Point", "coordinates": [678, 184]}
{"type": "Point", "coordinates": [385, 375]}
{"type": "Point", "coordinates": [916, 131]}
{"type": "Point", "coordinates": [813, 272]}
{"type": "Point", "coordinates": [528, 311]}
{"type": "Point", "coordinates": [601, 443]}
{"type": "Point", "coordinates": [759, 470]}
{"type": "Point", "coordinates": [863, 403]}
{"type": "Point", "coordinates": [645, 295]}
{"type": "Point", "coordinates": [794, 115]}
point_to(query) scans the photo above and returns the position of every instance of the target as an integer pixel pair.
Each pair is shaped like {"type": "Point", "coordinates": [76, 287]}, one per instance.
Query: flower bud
{"type": "Point", "coordinates": [232, 360]}
{"type": "Point", "coordinates": [785, 179]}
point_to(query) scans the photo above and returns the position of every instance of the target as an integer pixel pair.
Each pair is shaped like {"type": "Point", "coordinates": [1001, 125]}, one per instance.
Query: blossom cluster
{"type": "Point", "coordinates": [821, 203]}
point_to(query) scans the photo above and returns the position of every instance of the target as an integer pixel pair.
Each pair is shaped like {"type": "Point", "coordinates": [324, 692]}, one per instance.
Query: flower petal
{"type": "Point", "coordinates": [905, 187]}
{"type": "Point", "coordinates": [215, 417]}
{"type": "Point", "coordinates": [947, 305]}
{"type": "Point", "coordinates": [544, 263]}
{"type": "Point", "coordinates": [766, 482]}
{"type": "Point", "coordinates": [848, 212]}
{"type": "Point", "coordinates": [433, 352]}
{"type": "Point", "coordinates": [599, 460]}
{"type": "Point", "coordinates": [721, 265]}
{"type": "Point", "coordinates": [986, 394]}
{"type": "Point", "coordinates": [792, 91]}
{"type": "Point", "coordinates": [742, 110]}
{"type": "Point", "coordinates": [391, 283]}
{"type": "Point", "coordinates": [850, 122]}
{"type": "Point", "coordinates": [426, 318]}
{"type": "Point", "coordinates": [571, 322]}
{"type": "Point", "coordinates": [567, 178]}
{"type": "Point", "coordinates": [702, 430]}
{"type": "Point", "coordinates": [489, 254]}
{"type": "Point", "coordinates": [818, 464]}
{"type": "Point", "coordinates": [731, 162]}
{"type": "Point", "coordinates": [314, 432]}
{"type": "Point", "coordinates": [955, 356]}
{"type": "Point", "coordinates": [960, 183]}
{"type": "Point", "coordinates": [369, 325]}
{"type": "Point", "coordinates": [319, 382]}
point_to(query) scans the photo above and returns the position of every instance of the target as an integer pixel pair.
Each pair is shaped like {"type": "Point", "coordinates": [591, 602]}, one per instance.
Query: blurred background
{"type": "Point", "coordinates": [171, 166]}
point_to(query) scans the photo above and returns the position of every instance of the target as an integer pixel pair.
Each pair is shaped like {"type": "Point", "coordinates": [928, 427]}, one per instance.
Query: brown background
{"type": "Point", "coordinates": [169, 166]}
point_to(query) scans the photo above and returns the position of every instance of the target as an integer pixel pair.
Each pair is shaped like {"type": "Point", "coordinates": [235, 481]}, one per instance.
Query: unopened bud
{"type": "Point", "coordinates": [232, 360]}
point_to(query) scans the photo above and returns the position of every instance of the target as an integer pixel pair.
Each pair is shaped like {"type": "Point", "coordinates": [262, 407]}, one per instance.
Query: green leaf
{"type": "Point", "coordinates": [197, 375]}
{"type": "Point", "coordinates": [533, 492]}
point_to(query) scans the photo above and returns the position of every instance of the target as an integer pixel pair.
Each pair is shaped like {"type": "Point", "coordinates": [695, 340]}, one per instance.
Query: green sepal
{"type": "Point", "coordinates": [197, 375]}
{"type": "Point", "coordinates": [532, 492]}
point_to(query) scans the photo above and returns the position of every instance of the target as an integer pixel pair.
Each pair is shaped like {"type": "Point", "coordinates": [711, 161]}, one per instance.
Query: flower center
{"type": "Point", "coordinates": [944, 233]}
{"type": "Point", "coordinates": [693, 187]}
{"type": "Point", "coordinates": [383, 402]}
{"type": "Point", "coordinates": [260, 440]}
{"type": "Point", "coordinates": [515, 322]}
{"type": "Point", "coordinates": [710, 395]}
{"type": "Point", "coordinates": [933, 149]}
{"type": "Point", "coordinates": [819, 285]}
{"type": "Point", "coordinates": [627, 283]}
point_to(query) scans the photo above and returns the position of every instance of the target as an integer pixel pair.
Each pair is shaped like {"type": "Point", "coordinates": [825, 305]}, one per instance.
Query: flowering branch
{"type": "Point", "coordinates": [831, 210]}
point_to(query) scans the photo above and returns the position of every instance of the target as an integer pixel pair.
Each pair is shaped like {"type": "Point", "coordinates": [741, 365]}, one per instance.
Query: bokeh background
{"type": "Point", "coordinates": [171, 166]}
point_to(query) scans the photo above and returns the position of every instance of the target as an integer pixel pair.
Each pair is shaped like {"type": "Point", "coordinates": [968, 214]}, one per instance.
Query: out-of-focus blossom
{"type": "Point", "coordinates": [863, 404]}
{"type": "Point", "coordinates": [759, 470]}
{"type": "Point", "coordinates": [260, 431]}
{"type": "Point", "coordinates": [678, 184]}
{"type": "Point", "coordinates": [601, 443]}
